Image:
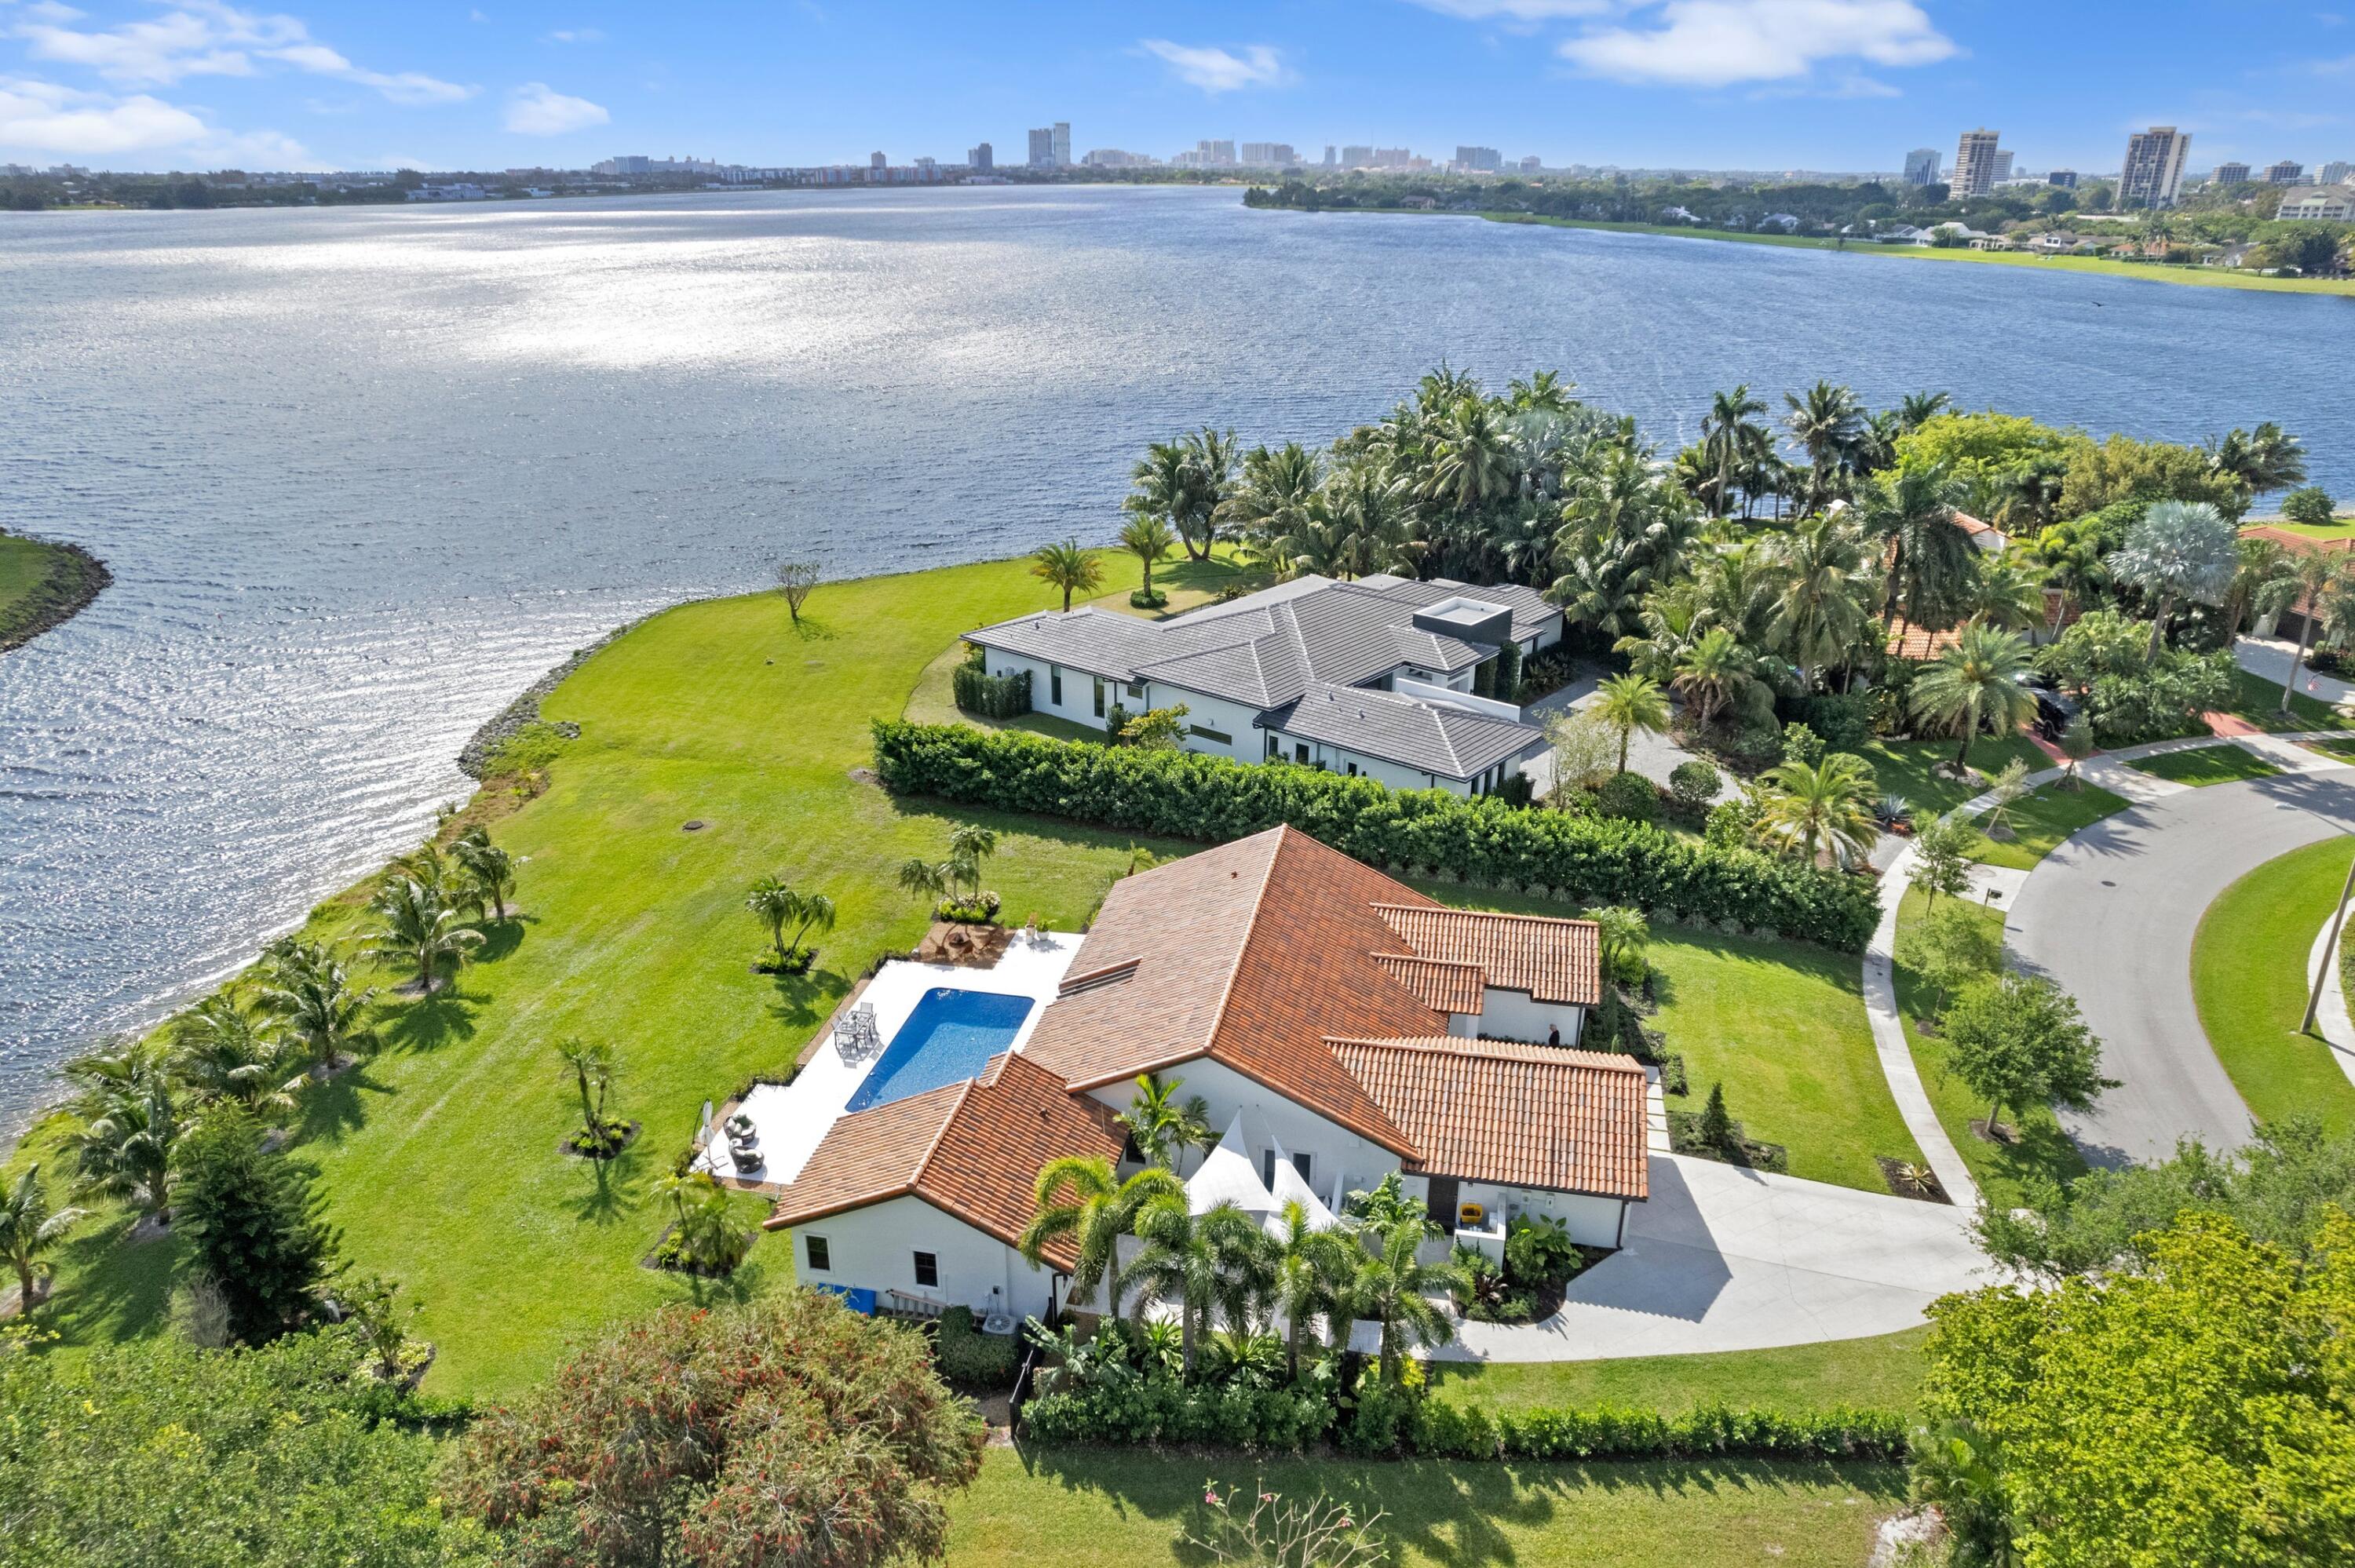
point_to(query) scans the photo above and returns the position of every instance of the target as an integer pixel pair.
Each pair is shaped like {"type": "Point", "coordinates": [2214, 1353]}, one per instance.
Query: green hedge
{"type": "Point", "coordinates": [1580, 859]}
{"type": "Point", "coordinates": [992, 696]}
{"type": "Point", "coordinates": [1472, 1431]}
{"type": "Point", "coordinates": [1163, 1409]}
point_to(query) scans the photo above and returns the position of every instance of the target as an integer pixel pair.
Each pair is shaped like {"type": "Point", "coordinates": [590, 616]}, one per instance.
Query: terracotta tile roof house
{"type": "Point", "coordinates": [1345, 1024]}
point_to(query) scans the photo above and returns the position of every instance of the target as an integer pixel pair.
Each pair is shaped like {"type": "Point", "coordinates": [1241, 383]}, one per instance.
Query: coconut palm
{"type": "Point", "coordinates": [2008, 593]}
{"type": "Point", "coordinates": [2179, 550]}
{"type": "Point", "coordinates": [1826, 421]}
{"type": "Point", "coordinates": [1079, 1198]}
{"type": "Point", "coordinates": [1266, 505]}
{"type": "Point", "coordinates": [218, 1054]}
{"type": "Point", "coordinates": [1372, 512]}
{"type": "Point", "coordinates": [1162, 488]}
{"type": "Point", "coordinates": [2263, 460]}
{"type": "Point", "coordinates": [1976, 681]}
{"type": "Point", "coordinates": [415, 925]}
{"type": "Point", "coordinates": [2315, 579]}
{"type": "Point", "coordinates": [323, 1019]}
{"type": "Point", "coordinates": [1149, 540]}
{"type": "Point", "coordinates": [1820, 810]}
{"type": "Point", "coordinates": [1389, 1288]}
{"type": "Point", "coordinates": [1162, 1126]}
{"type": "Point", "coordinates": [1630, 702]}
{"type": "Point", "coordinates": [1916, 409]}
{"type": "Point", "coordinates": [1930, 568]}
{"type": "Point", "coordinates": [1069, 566]}
{"type": "Point", "coordinates": [1544, 392]}
{"type": "Point", "coordinates": [28, 1227]}
{"type": "Point", "coordinates": [1714, 673]}
{"type": "Point", "coordinates": [1819, 594]}
{"type": "Point", "coordinates": [1204, 1262]}
{"type": "Point", "coordinates": [126, 1150]}
{"type": "Point", "coordinates": [1728, 437]}
{"type": "Point", "coordinates": [1471, 460]}
{"type": "Point", "coordinates": [1209, 473]}
{"type": "Point", "coordinates": [489, 870]}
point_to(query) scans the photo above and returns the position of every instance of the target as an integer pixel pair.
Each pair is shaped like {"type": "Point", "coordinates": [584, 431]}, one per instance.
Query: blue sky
{"type": "Point", "coordinates": [1824, 84]}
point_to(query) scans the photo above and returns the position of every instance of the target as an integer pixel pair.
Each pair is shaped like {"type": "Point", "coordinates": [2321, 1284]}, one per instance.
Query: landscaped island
{"type": "Point", "coordinates": [44, 585]}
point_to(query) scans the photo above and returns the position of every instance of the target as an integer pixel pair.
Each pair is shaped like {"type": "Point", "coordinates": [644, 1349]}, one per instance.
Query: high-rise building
{"type": "Point", "coordinates": [1332, 155]}
{"type": "Point", "coordinates": [1269, 155]}
{"type": "Point", "coordinates": [1532, 163]}
{"type": "Point", "coordinates": [1483, 160]}
{"type": "Point", "coordinates": [1975, 163]}
{"type": "Point", "coordinates": [1922, 167]}
{"type": "Point", "coordinates": [2287, 172]}
{"type": "Point", "coordinates": [1214, 153]}
{"type": "Point", "coordinates": [981, 158]}
{"type": "Point", "coordinates": [877, 161]}
{"type": "Point", "coordinates": [2230, 174]}
{"type": "Point", "coordinates": [2153, 174]}
{"type": "Point", "coordinates": [2002, 165]}
{"type": "Point", "coordinates": [1042, 148]}
{"type": "Point", "coordinates": [2334, 172]}
{"type": "Point", "coordinates": [1393, 157]}
{"type": "Point", "coordinates": [1357, 157]}
{"type": "Point", "coordinates": [1060, 146]}
{"type": "Point", "coordinates": [2061, 179]}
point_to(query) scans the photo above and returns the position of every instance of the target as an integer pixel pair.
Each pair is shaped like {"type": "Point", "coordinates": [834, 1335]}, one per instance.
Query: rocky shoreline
{"type": "Point", "coordinates": [475, 757]}
{"type": "Point", "coordinates": [77, 578]}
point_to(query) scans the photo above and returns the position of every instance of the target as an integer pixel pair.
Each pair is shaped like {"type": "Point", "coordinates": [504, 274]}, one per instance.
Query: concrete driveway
{"type": "Point", "coordinates": [2109, 916]}
{"type": "Point", "coordinates": [1653, 755]}
{"type": "Point", "coordinates": [1726, 1259]}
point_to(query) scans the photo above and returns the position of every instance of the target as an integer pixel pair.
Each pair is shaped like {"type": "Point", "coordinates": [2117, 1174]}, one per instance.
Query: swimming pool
{"type": "Point", "coordinates": [949, 1037]}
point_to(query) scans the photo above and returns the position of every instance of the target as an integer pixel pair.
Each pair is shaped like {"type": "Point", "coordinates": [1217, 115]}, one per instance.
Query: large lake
{"type": "Point", "coordinates": [362, 475]}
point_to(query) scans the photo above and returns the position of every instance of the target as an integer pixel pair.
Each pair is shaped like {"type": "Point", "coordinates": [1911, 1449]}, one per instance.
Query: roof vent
{"type": "Point", "coordinates": [1094, 980]}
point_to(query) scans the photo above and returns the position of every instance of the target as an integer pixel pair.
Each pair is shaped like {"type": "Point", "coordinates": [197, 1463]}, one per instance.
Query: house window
{"type": "Point", "coordinates": [1204, 732]}
{"type": "Point", "coordinates": [1267, 1169]}
{"type": "Point", "coordinates": [1301, 1162]}
{"type": "Point", "coordinates": [819, 1257]}
{"type": "Point", "coordinates": [1274, 747]}
{"type": "Point", "coordinates": [928, 1269]}
{"type": "Point", "coordinates": [1353, 770]}
{"type": "Point", "coordinates": [1300, 751]}
{"type": "Point", "coordinates": [1055, 684]}
{"type": "Point", "coordinates": [1100, 712]}
{"type": "Point", "coordinates": [1137, 690]}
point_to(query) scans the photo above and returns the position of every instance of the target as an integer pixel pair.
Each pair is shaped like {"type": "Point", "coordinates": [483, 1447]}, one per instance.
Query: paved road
{"type": "Point", "coordinates": [2110, 917]}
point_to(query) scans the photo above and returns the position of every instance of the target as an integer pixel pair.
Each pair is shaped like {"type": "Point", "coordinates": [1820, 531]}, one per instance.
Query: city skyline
{"type": "Point", "coordinates": [1851, 83]}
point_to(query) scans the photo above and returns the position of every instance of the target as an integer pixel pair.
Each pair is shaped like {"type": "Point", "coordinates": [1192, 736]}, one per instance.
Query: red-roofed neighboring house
{"type": "Point", "coordinates": [2290, 623]}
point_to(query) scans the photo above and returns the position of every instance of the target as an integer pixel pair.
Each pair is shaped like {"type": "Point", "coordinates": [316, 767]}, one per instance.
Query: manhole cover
{"type": "Point", "coordinates": [694, 825]}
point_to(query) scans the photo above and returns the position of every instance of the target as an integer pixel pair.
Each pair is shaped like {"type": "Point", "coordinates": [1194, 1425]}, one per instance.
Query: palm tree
{"type": "Point", "coordinates": [316, 1007]}
{"type": "Point", "coordinates": [1471, 458]}
{"type": "Point", "coordinates": [1713, 674]}
{"type": "Point", "coordinates": [1916, 409]}
{"type": "Point", "coordinates": [28, 1229]}
{"type": "Point", "coordinates": [1078, 1197]}
{"type": "Point", "coordinates": [1727, 438]}
{"type": "Point", "coordinates": [417, 926]}
{"type": "Point", "coordinates": [1929, 570]}
{"type": "Point", "coordinates": [1391, 1289]}
{"type": "Point", "coordinates": [1267, 506]}
{"type": "Point", "coordinates": [2071, 559]}
{"type": "Point", "coordinates": [1821, 810]}
{"type": "Point", "coordinates": [1148, 539]}
{"type": "Point", "coordinates": [1162, 489]}
{"type": "Point", "coordinates": [2263, 460]}
{"type": "Point", "coordinates": [1976, 681]}
{"type": "Point", "coordinates": [593, 1065]}
{"type": "Point", "coordinates": [2315, 579]}
{"type": "Point", "coordinates": [2179, 550]}
{"type": "Point", "coordinates": [1203, 1262]}
{"type": "Point", "coordinates": [1544, 392]}
{"type": "Point", "coordinates": [1311, 1269]}
{"type": "Point", "coordinates": [774, 902]}
{"type": "Point", "coordinates": [218, 1054]}
{"type": "Point", "coordinates": [1209, 473]}
{"type": "Point", "coordinates": [1630, 702]}
{"type": "Point", "coordinates": [1162, 1126]}
{"type": "Point", "coordinates": [1826, 421]}
{"type": "Point", "coordinates": [1068, 567]}
{"type": "Point", "coordinates": [490, 870]}
{"type": "Point", "coordinates": [125, 1151]}
{"type": "Point", "coordinates": [1819, 594]}
{"type": "Point", "coordinates": [2008, 593]}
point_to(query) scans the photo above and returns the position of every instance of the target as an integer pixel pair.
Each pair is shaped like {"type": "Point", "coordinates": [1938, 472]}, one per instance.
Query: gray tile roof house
{"type": "Point", "coordinates": [1309, 658]}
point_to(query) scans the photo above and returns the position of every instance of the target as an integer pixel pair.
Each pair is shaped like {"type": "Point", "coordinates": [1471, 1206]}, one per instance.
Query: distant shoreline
{"type": "Point", "coordinates": [43, 585]}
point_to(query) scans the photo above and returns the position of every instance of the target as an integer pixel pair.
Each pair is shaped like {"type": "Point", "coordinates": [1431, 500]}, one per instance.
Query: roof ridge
{"type": "Point", "coordinates": [1251, 929]}
{"type": "Point", "coordinates": [924, 1162]}
{"type": "Point", "coordinates": [1494, 1051]}
{"type": "Point", "coordinates": [1437, 907]}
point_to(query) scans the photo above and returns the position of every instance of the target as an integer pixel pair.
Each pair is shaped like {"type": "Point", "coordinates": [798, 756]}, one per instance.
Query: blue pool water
{"type": "Point", "coordinates": [946, 1040]}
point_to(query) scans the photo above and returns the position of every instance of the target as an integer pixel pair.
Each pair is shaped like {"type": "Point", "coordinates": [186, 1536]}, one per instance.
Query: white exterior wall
{"type": "Point", "coordinates": [1246, 744]}
{"type": "Point", "coordinates": [1079, 686]}
{"type": "Point", "coordinates": [1516, 1015]}
{"type": "Point", "coordinates": [1337, 759]}
{"type": "Point", "coordinates": [876, 1247]}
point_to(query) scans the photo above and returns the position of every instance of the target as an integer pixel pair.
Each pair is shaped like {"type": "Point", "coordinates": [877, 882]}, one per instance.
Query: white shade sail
{"type": "Point", "coordinates": [1227, 1177]}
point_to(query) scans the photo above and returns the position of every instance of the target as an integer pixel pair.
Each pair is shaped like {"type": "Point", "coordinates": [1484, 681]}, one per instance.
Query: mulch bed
{"type": "Point", "coordinates": [564, 1146]}
{"type": "Point", "coordinates": [972, 947]}
{"type": "Point", "coordinates": [654, 1260]}
{"type": "Point", "coordinates": [1899, 1187]}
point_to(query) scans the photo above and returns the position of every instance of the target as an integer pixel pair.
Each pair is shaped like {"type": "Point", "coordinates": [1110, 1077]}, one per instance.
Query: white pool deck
{"type": "Point", "coordinates": [790, 1120]}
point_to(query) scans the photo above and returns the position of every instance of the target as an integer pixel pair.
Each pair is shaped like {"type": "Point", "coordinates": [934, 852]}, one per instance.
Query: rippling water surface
{"type": "Point", "coordinates": [362, 475]}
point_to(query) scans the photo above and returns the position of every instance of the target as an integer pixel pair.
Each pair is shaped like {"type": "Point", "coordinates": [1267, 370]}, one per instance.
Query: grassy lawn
{"type": "Point", "coordinates": [35, 579]}
{"type": "Point", "coordinates": [2342, 750]}
{"type": "Point", "coordinates": [2001, 1171]}
{"type": "Point", "coordinates": [2223, 763]}
{"type": "Point", "coordinates": [2258, 701]}
{"type": "Point", "coordinates": [2337, 528]}
{"type": "Point", "coordinates": [1883, 1371]}
{"type": "Point", "coordinates": [2041, 820]}
{"type": "Point", "coordinates": [1906, 767]}
{"type": "Point", "coordinates": [439, 1157]}
{"type": "Point", "coordinates": [2248, 977]}
{"type": "Point", "coordinates": [1783, 1026]}
{"type": "Point", "coordinates": [1112, 1508]}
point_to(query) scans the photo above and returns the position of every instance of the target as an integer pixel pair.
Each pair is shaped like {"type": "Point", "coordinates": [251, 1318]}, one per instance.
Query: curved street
{"type": "Point", "coordinates": [2110, 914]}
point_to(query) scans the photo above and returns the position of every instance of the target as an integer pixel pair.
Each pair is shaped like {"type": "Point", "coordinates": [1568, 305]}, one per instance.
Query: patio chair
{"type": "Point", "coordinates": [746, 1158]}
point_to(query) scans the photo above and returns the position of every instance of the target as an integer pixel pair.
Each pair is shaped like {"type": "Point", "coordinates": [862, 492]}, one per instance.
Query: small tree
{"type": "Point", "coordinates": [28, 1227]}
{"type": "Point", "coordinates": [1156, 728]}
{"type": "Point", "coordinates": [251, 1222]}
{"type": "Point", "coordinates": [1953, 946]}
{"type": "Point", "coordinates": [1583, 748]}
{"type": "Point", "coordinates": [490, 870]}
{"type": "Point", "coordinates": [1942, 858]}
{"type": "Point", "coordinates": [2006, 787]}
{"type": "Point", "coordinates": [593, 1068]}
{"type": "Point", "coordinates": [2076, 745]}
{"type": "Point", "coordinates": [1694, 784]}
{"type": "Point", "coordinates": [1149, 540]}
{"type": "Point", "coordinates": [381, 1322]}
{"type": "Point", "coordinates": [2016, 1041]}
{"type": "Point", "coordinates": [1070, 566]}
{"type": "Point", "coordinates": [2310, 505]}
{"type": "Point", "coordinates": [1716, 1125]}
{"type": "Point", "coordinates": [796, 580]}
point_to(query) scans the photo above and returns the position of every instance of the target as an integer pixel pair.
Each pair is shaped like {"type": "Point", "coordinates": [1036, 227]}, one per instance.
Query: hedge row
{"type": "Point", "coordinates": [1456, 1431]}
{"type": "Point", "coordinates": [1163, 1410]}
{"type": "Point", "coordinates": [992, 696]}
{"type": "Point", "coordinates": [1580, 859]}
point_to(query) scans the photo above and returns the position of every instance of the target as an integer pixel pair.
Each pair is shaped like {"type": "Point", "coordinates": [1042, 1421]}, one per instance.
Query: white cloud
{"type": "Point", "coordinates": [1715, 43]}
{"type": "Point", "coordinates": [209, 37]}
{"type": "Point", "coordinates": [1220, 71]}
{"type": "Point", "coordinates": [45, 117]}
{"type": "Point", "coordinates": [538, 109]}
{"type": "Point", "coordinates": [1515, 10]}
{"type": "Point", "coordinates": [577, 35]}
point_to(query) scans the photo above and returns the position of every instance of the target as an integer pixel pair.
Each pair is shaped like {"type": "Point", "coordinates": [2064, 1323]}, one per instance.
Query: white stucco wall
{"type": "Point", "coordinates": [1079, 686]}
{"type": "Point", "coordinates": [1244, 744]}
{"type": "Point", "coordinates": [1516, 1015]}
{"type": "Point", "coordinates": [876, 1247]}
{"type": "Point", "coordinates": [1339, 760]}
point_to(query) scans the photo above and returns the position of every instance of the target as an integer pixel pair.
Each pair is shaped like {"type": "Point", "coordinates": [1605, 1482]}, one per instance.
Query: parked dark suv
{"type": "Point", "coordinates": [2055, 710]}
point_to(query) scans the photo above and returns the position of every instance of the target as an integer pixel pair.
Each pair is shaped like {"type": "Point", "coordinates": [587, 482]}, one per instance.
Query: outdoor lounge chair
{"type": "Point", "coordinates": [746, 1158]}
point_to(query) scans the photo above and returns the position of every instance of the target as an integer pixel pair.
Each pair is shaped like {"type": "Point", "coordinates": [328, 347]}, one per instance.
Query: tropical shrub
{"type": "Point", "coordinates": [1180, 794]}
{"type": "Point", "coordinates": [1540, 1252]}
{"type": "Point", "coordinates": [2311, 504]}
{"type": "Point", "coordinates": [979, 911]}
{"type": "Point", "coordinates": [1844, 719]}
{"type": "Point", "coordinates": [1694, 784]}
{"type": "Point", "coordinates": [971, 1359]}
{"type": "Point", "coordinates": [790, 1431]}
{"type": "Point", "coordinates": [992, 696]}
{"type": "Point", "coordinates": [1801, 744]}
{"type": "Point", "coordinates": [1441, 1430]}
{"type": "Point", "coordinates": [251, 1223]}
{"type": "Point", "coordinates": [1629, 796]}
